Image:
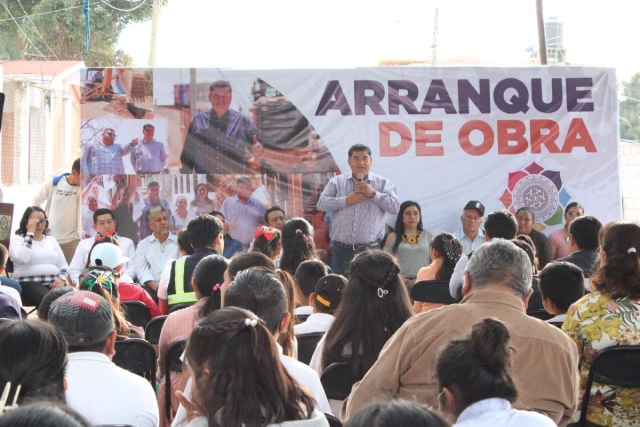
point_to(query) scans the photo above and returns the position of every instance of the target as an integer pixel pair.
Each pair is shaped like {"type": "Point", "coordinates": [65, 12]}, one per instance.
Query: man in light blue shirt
{"type": "Point", "coordinates": [470, 234]}
{"type": "Point", "coordinates": [150, 155]}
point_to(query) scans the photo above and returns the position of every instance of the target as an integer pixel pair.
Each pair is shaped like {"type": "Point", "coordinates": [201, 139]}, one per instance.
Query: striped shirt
{"type": "Point", "coordinates": [149, 157]}
{"type": "Point", "coordinates": [99, 159]}
{"type": "Point", "coordinates": [248, 216]}
{"type": "Point", "coordinates": [362, 223]}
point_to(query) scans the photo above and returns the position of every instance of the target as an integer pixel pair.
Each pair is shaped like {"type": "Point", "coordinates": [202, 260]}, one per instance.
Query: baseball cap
{"type": "Point", "coordinates": [328, 290]}
{"type": "Point", "coordinates": [474, 204]}
{"type": "Point", "coordinates": [107, 255]}
{"type": "Point", "coordinates": [83, 317]}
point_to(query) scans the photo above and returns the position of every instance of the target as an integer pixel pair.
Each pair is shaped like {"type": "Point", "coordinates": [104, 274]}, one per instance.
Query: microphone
{"type": "Point", "coordinates": [360, 177]}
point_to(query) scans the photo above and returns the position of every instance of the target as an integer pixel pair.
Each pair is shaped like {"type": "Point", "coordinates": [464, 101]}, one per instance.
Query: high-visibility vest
{"type": "Point", "coordinates": [180, 296]}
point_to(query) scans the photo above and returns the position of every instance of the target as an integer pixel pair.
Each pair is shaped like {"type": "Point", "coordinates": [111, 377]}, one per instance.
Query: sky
{"type": "Point", "coordinates": [290, 34]}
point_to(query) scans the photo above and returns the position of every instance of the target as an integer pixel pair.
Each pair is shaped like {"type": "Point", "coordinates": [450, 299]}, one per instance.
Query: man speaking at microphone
{"type": "Point", "coordinates": [358, 201]}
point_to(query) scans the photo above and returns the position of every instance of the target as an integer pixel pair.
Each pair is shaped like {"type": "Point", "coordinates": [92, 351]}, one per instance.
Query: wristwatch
{"type": "Point", "coordinates": [374, 194]}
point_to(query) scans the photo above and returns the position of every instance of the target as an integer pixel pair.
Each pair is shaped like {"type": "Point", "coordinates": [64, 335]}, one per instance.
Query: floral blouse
{"type": "Point", "coordinates": [595, 322]}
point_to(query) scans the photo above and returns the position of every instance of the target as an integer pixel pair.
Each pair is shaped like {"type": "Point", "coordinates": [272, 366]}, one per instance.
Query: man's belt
{"type": "Point", "coordinates": [358, 246]}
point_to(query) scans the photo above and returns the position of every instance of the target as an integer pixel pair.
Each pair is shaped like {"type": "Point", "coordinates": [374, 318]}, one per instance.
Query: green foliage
{"type": "Point", "coordinates": [61, 34]}
{"type": "Point", "coordinates": [630, 109]}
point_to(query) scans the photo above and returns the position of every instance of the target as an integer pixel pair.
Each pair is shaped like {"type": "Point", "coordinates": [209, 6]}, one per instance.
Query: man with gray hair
{"type": "Point", "coordinates": [497, 285]}
{"type": "Point", "coordinates": [155, 250]}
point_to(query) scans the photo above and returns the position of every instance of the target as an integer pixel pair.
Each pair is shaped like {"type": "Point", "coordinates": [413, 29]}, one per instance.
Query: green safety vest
{"type": "Point", "coordinates": [180, 297]}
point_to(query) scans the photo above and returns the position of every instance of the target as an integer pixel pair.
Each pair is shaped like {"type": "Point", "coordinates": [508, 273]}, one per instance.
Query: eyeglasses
{"type": "Point", "coordinates": [44, 222]}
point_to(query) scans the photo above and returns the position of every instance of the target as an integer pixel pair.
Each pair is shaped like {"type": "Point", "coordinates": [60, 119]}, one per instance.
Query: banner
{"type": "Point", "coordinates": [540, 137]}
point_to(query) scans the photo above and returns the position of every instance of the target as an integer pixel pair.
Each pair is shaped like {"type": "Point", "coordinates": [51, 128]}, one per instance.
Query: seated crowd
{"type": "Point", "coordinates": [271, 337]}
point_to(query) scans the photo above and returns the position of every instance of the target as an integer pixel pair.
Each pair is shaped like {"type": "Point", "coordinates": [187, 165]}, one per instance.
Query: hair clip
{"type": "Point", "coordinates": [5, 395]}
{"type": "Point", "coordinates": [267, 232]}
{"type": "Point", "coordinates": [250, 322]}
{"type": "Point", "coordinates": [382, 292]}
{"type": "Point", "coordinates": [216, 287]}
{"type": "Point", "coordinates": [298, 231]}
{"type": "Point", "coordinates": [631, 250]}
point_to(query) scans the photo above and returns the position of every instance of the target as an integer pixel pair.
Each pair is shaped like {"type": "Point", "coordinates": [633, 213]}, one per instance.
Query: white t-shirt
{"type": "Point", "coordinates": [63, 212]}
{"type": "Point", "coordinates": [317, 322]}
{"type": "Point", "coordinates": [106, 394]}
{"type": "Point", "coordinates": [498, 413]}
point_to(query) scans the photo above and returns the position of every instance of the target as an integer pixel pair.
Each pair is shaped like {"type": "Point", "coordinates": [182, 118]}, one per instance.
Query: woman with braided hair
{"type": "Point", "coordinates": [446, 251]}
{"type": "Point", "coordinates": [374, 305]}
{"type": "Point", "coordinates": [238, 378]}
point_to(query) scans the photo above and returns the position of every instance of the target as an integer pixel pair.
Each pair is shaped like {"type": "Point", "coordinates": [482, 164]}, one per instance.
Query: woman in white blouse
{"type": "Point", "coordinates": [474, 378]}
{"type": "Point", "coordinates": [38, 262]}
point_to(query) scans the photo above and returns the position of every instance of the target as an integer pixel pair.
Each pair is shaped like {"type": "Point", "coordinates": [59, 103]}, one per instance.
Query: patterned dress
{"type": "Point", "coordinates": [595, 322]}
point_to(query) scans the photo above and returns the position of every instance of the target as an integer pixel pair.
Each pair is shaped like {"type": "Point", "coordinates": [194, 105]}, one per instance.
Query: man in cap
{"type": "Point", "coordinates": [324, 300]}
{"type": "Point", "coordinates": [470, 234]}
{"type": "Point", "coordinates": [98, 389]}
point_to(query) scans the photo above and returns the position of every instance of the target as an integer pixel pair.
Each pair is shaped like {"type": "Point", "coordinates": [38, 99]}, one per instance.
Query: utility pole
{"type": "Point", "coordinates": [542, 38]}
{"type": "Point", "coordinates": [155, 14]}
{"type": "Point", "coordinates": [434, 46]}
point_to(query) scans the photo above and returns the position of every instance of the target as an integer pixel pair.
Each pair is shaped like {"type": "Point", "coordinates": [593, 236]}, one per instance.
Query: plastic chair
{"type": "Point", "coordinates": [540, 314]}
{"type": "Point", "coordinates": [136, 312]}
{"type": "Point", "coordinates": [177, 307]}
{"type": "Point", "coordinates": [617, 366]}
{"type": "Point", "coordinates": [333, 421]}
{"type": "Point", "coordinates": [153, 329]}
{"type": "Point", "coordinates": [434, 291]}
{"type": "Point", "coordinates": [337, 380]}
{"type": "Point", "coordinates": [301, 318]}
{"type": "Point", "coordinates": [307, 344]}
{"type": "Point", "coordinates": [557, 324]}
{"type": "Point", "coordinates": [172, 363]}
{"type": "Point", "coordinates": [137, 356]}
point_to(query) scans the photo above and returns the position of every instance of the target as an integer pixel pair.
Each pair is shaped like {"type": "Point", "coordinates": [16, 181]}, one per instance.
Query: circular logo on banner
{"type": "Point", "coordinates": [538, 193]}
{"type": "Point", "coordinates": [539, 189]}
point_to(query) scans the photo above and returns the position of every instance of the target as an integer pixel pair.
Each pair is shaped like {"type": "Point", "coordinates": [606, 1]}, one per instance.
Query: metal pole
{"type": "Point", "coordinates": [154, 32]}
{"type": "Point", "coordinates": [542, 38]}
{"type": "Point", "coordinates": [434, 46]}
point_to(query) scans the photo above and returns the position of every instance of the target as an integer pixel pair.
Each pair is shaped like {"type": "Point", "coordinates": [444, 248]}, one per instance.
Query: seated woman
{"type": "Point", "coordinates": [43, 413]}
{"type": "Point", "coordinates": [207, 280]}
{"type": "Point", "coordinates": [446, 251]}
{"type": "Point", "coordinates": [475, 383]}
{"type": "Point", "coordinates": [607, 317]}
{"type": "Point", "coordinates": [38, 262]}
{"type": "Point", "coordinates": [409, 243]}
{"type": "Point", "coordinates": [526, 220]}
{"type": "Point", "coordinates": [33, 354]}
{"type": "Point", "coordinates": [558, 239]}
{"type": "Point", "coordinates": [267, 241]}
{"type": "Point", "coordinates": [374, 305]}
{"type": "Point", "coordinates": [297, 244]}
{"type": "Point", "coordinates": [238, 377]}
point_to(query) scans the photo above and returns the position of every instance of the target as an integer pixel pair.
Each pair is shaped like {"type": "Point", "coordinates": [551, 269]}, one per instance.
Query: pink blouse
{"type": "Point", "coordinates": [558, 241]}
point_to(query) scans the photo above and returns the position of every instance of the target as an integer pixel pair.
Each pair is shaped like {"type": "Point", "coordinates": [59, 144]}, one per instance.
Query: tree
{"type": "Point", "coordinates": [630, 109]}
{"type": "Point", "coordinates": [55, 29]}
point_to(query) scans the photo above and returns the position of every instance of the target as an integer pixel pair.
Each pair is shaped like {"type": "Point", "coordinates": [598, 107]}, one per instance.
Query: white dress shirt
{"type": "Point", "coordinates": [79, 260]}
{"type": "Point", "coordinates": [106, 394]}
{"type": "Point", "coordinates": [498, 413]}
{"type": "Point", "coordinates": [152, 256]}
{"type": "Point", "coordinates": [317, 322]}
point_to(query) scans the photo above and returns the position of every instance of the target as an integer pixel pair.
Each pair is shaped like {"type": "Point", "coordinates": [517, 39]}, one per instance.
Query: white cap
{"type": "Point", "coordinates": [108, 255]}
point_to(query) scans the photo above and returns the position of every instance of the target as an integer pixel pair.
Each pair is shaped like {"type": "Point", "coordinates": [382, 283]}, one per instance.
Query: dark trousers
{"type": "Point", "coordinates": [32, 293]}
{"type": "Point", "coordinates": [341, 258]}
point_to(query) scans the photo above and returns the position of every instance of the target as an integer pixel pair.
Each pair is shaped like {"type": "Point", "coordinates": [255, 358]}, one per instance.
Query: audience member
{"type": "Point", "coordinates": [535, 301]}
{"type": "Point", "coordinates": [583, 244]}
{"type": "Point", "coordinates": [446, 251]}
{"type": "Point", "coordinates": [358, 201]}
{"type": "Point", "coordinates": [287, 338]}
{"type": "Point", "coordinates": [497, 284]}
{"type": "Point", "coordinates": [238, 378]}
{"type": "Point", "coordinates": [49, 298]}
{"type": "Point", "coordinates": [104, 225]}
{"type": "Point", "coordinates": [231, 246]}
{"type": "Point", "coordinates": [374, 305]}
{"type": "Point", "coordinates": [526, 220]}
{"type": "Point", "coordinates": [475, 381]}
{"type": "Point", "coordinates": [243, 212]}
{"type": "Point", "coordinates": [397, 412]}
{"type": "Point", "coordinates": [267, 241]}
{"type": "Point", "coordinates": [33, 355]}
{"type": "Point", "coordinates": [608, 317]}
{"type": "Point", "coordinates": [471, 235]}
{"type": "Point", "coordinates": [558, 239]}
{"type": "Point", "coordinates": [154, 251]}
{"type": "Point", "coordinates": [86, 321]}
{"type": "Point", "coordinates": [297, 244]}
{"type": "Point", "coordinates": [275, 217]}
{"type": "Point", "coordinates": [38, 261]}
{"type": "Point", "coordinates": [409, 243]}
{"type": "Point", "coordinates": [324, 300]}
{"type": "Point", "coordinates": [245, 261]}
{"type": "Point", "coordinates": [307, 276]}
{"type": "Point", "coordinates": [184, 249]}
{"type": "Point", "coordinates": [206, 283]}
{"type": "Point", "coordinates": [561, 284]}
{"type": "Point", "coordinates": [43, 414]}
{"type": "Point", "coordinates": [5, 282]}
{"type": "Point", "coordinates": [62, 197]}
{"type": "Point", "coordinates": [9, 308]}
{"type": "Point", "coordinates": [498, 225]}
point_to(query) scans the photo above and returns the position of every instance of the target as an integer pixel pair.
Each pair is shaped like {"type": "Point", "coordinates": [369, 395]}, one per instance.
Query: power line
{"type": "Point", "coordinates": [41, 13]}
{"type": "Point", "coordinates": [38, 32]}
{"type": "Point", "coordinates": [124, 10]}
{"type": "Point", "coordinates": [21, 30]}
